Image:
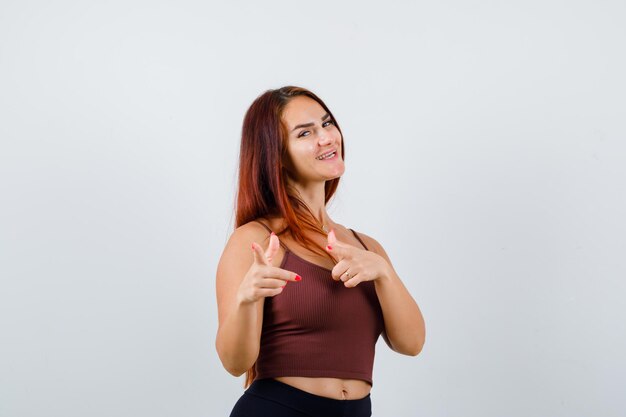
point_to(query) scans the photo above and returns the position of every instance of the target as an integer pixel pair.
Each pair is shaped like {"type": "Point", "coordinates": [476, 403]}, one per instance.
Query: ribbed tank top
{"type": "Point", "coordinates": [319, 328]}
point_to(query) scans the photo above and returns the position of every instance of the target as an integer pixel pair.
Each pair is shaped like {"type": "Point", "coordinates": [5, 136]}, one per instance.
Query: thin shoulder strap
{"type": "Point", "coordinates": [271, 231]}
{"type": "Point", "coordinates": [359, 239]}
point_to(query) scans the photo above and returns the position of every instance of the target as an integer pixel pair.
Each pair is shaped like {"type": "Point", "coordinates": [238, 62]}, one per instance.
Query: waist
{"type": "Point", "coordinates": [308, 403]}
{"type": "Point", "coordinates": [335, 388]}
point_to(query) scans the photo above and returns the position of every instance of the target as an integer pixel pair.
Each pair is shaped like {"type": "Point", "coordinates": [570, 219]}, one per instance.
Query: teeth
{"type": "Point", "coordinates": [326, 156]}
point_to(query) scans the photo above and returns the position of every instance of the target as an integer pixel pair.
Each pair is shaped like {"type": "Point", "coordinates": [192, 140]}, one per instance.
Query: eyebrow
{"type": "Point", "coordinates": [326, 116]}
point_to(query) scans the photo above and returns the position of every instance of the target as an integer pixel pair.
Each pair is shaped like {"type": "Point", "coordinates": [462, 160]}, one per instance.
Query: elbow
{"type": "Point", "coordinates": [237, 372]}
{"type": "Point", "coordinates": [409, 349]}
{"type": "Point", "coordinates": [418, 342]}
{"type": "Point", "coordinates": [419, 345]}
{"type": "Point", "coordinates": [414, 348]}
{"type": "Point", "coordinates": [410, 344]}
{"type": "Point", "coordinates": [233, 365]}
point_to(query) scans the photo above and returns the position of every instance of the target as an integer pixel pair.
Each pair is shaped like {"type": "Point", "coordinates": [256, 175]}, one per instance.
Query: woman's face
{"type": "Point", "coordinates": [313, 142]}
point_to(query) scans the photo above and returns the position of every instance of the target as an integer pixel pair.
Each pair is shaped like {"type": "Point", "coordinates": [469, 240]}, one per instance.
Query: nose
{"type": "Point", "coordinates": [324, 138]}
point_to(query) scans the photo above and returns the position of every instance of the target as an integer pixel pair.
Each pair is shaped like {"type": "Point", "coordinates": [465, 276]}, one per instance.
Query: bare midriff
{"type": "Point", "coordinates": [335, 388]}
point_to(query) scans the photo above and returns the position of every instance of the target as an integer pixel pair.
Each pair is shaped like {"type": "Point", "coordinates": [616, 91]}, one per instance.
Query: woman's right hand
{"type": "Point", "coordinates": [262, 279]}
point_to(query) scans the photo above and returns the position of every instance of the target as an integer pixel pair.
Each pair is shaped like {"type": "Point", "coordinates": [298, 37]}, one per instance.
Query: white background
{"type": "Point", "coordinates": [485, 149]}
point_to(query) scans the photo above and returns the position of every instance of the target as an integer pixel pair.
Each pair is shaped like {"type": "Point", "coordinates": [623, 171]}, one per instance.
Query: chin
{"type": "Point", "coordinates": [338, 174]}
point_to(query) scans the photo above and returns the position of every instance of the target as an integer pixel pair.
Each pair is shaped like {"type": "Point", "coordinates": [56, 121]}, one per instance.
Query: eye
{"type": "Point", "coordinates": [307, 132]}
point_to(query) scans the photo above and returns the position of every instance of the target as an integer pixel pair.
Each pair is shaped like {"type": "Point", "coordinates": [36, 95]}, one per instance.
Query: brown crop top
{"type": "Point", "coordinates": [319, 328]}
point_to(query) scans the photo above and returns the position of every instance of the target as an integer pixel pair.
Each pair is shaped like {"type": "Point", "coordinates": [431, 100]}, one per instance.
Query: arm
{"type": "Point", "coordinates": [405, 330]}
{"type": "Point", "coordinates": [245, 277]}
{"type": "Point", "coordinates": [239, 330]}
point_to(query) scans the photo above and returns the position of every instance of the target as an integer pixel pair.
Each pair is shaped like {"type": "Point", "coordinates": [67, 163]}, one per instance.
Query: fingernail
{"type": "Point", "coordinates": [298, 278]}
{"type": "Point", "coordinates": [329, 247]}
{"type": "Point", "coordinates": [272, 233]}
{"type": "Point", "coordinates": [284, 286]}
{"type": "Point", "coordinates": [253, 246]}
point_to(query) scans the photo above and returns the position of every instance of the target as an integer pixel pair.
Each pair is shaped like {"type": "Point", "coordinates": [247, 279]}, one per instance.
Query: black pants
{"type": "Point", "coordinates": [272, 398]}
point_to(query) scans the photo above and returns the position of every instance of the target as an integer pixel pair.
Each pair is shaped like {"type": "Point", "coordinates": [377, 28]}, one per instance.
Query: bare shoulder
{"type": "Point", "coordinates": [372, 244]}
{"type": "Point", "coordinates": [237, 255]}
{"type": "Point", "coordinates": [244, 235]}
{"type": "Point", "coordinates": [236, 259]}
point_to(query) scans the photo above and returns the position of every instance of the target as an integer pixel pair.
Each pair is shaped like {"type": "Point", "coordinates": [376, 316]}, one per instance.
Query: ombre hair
{"type": "Point", "coordinates": [263, 190]}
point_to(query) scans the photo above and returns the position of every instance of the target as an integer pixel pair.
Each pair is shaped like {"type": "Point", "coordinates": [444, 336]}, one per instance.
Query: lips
{"type": "Point", "coordinates": [327, 155]}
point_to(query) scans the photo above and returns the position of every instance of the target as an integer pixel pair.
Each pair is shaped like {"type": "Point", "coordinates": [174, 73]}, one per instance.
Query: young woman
{"type": "Point", "coordinates": [301, 299]}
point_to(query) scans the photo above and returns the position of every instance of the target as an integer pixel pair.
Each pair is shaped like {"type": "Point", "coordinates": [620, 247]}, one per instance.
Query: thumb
{"type": "Point", "coordinates": [332, 239]}
{"type": "Point", "coordinates": [259, 256]}
{"type": "Point", "coordinates": [335, 246]}
{"type": "Point", "coordinates": [272, 248]}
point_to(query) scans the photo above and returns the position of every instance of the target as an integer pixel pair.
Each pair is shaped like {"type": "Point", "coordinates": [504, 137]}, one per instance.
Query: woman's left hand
{"type": "Point", "coordinates": [355, 265]}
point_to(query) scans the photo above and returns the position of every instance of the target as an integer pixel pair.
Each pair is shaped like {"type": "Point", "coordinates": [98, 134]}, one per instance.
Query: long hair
{"type": "Point", "coordinates": [263, 190]}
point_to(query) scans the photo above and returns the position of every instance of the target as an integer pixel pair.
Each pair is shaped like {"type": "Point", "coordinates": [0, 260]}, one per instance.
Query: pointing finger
{"type": "Point", "coordinates": [285, 275]}
{"type": "Point", "coordinates": [259, 256]}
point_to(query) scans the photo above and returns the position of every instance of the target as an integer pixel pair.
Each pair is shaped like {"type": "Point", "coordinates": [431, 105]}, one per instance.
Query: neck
{"type": "Point", "coordinates": [314, 196]}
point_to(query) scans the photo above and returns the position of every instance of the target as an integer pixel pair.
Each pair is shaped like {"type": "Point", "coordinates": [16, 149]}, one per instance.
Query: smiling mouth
{"type": "Point", "coordinates": [327, 155]}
